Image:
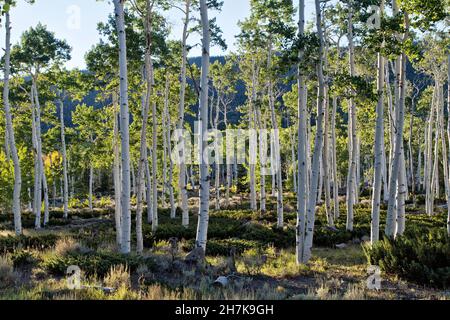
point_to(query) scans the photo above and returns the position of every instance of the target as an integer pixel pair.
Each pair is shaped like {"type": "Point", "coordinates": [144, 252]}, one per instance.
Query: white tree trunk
{"type": "Point", "coordinates": [10, 131]}
{"type": "Point", "coordinates": [310, 219]}
{"type": "Point", "coordinates": [401, 193]}
{"type": "Point", "coordinates": [148, 67]}
{"type": "Point", "coordinates": [124, 128]}
{"type": "Point", "coordinates": [65, 194]}
{"type": "Point", "coordinates": [180, 124]}
{"type": "Point", "coordinates": [379, 146]}
{"type": "Point", "coordinates": [276, 144]}
{"type": "Point", "coordinates": [38, 174]}
{"type": "Point", "coordinates": [397, 161]}
{"type": "Point", "coordinates": [203, 215]}
{"type": "Point", "coordinates": [252, 125]}
{"type": "Point", "coordinates": [91, 184]}
{"type": "Point", "coordinates": [149, 183]}
{"type": "Point", "coordinates": [116, 174]}
{"type": "Point", "coordinates": [155, 221]}
{"type": "Point", "coordinates": [229, 174]}
{"type": "Point", "coordinates": [217, 155]}
{"type": "Point", "coordinates": [351, 179]}
{"type": "Point", "coordinates": [325, 165]}
{"type": "Point", "coordinates": [334, 164]}
{"type": "Point", "coordinates": [302, 195]}
{"type": "Point", "coordinates": [169, 150]}
{"type": "Point", "coordinates": [428, 158]}
{"type": "Point", "coordinates": [448, 134]}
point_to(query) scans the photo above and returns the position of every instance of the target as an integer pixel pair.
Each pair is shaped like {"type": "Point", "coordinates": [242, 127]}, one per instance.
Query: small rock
{"type": "Point", "coordinates": [221, 281]}
{"type": "Point", "coordinates": [341, 246]}
{"type": "Point", "coordinates": [365, 239]}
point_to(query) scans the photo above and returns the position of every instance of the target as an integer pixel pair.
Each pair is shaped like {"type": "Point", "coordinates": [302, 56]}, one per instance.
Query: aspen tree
{"type": "Point", "coordinates": [203, 216]}
{"type": "Point", "coordinates": [124, 128]}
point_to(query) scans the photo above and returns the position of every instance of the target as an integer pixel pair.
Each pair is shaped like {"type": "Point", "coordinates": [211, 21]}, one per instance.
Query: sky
{"type": "Point", "coordinates": [76, 22]}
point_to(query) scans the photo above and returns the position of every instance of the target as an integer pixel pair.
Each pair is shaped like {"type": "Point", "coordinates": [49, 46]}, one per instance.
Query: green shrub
{"type": "Point", "coordinates": [10, 243]}
{"type": "Point", "coordinates": [419, 255]}
{"type": "Point", "coordinates": [94, 263]}
{"type": "Point", "coordinates": [23, 258]}
{"type": "Point", "coordinates": [223, 247]}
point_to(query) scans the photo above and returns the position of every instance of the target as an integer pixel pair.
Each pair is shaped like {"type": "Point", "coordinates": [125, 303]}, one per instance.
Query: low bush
{"type": "Point", "coordinates": [94, 263]}
{"type": "Point", "coordinates": [420, 255]}
{"type": "Point", "coordinates": [7, 275]}
{"type": "Point", "coordinates": [24, 258]}
{"type": "Point", "coordinates": [223, 247]}
{"type": "Point", "coordinates": [11, 243]}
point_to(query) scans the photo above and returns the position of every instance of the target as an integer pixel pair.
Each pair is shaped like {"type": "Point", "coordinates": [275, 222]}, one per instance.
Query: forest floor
{"type": "Point", "coordinates": [257, 258]}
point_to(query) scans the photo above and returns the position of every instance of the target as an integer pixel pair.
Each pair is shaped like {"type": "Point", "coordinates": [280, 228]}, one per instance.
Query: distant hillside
{"type": "Point", "coordinates": [233, 115]}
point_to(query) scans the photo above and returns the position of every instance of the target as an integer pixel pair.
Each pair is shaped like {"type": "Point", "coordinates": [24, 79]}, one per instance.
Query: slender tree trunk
{"type": "Point", "coordinates": [37, 197]}
{"type": "Point", "coordinates": [325, 157]}
{"type": "Point", "coordinates": [203, 216]}
{"type": "Point", "coordinates": [64, 160]}
{"type": "Point", "coordinates": [155, 222]}
{"type": "Point", "coordinates": [379, 146]}
{"type": "Point", "coordinates": [252, 125]}
{"type": "Point", "coordinates": [396, 166]}
{"type": "Point", "coordinates": [124, 128]}
{"type": "Point", "coordinates": [149, 183]}
{"type": "Point", "coordinates": [169, 148]}
{"type": "Point", "coordinates": [276, 144]}
{"type": "Point", "coordinates": [401, 193]}
{"type": "Point", "coordinates": [310, 219]}
{"type": "Point", "coordinates": [263, 160]}
{"type": "Point", "coordinates": [428, 158]}
{"type": "Point", "coordinates": [91, 184]}
{"type": "Point", "coordinates": [351, 179]}
{"type": "Point", "coordinates": [148, 67]}
{"type": "Point", "coordinates": [302, 196]}
{"type": "Point", "coordinates": [42, 179]}
{"type": "Point", "coordinates": [294, 168]}
{"type": "Point", "coordinates": [46, 200]}
{"type": "Point", "coordinates": [10, 131]}
{"type": "Point", "coordinates": [448, 133]}
{"type": "Point", "coordinates": [133, 178]}
{"type": "Point", "coordinates": [385, 174]}
{"type": "Point", "coordinates": [217, 155]}
{"type": "Point", "coordinates": [228, 166]}
{"type": "Point", "coordinates": [180, 125]}
{"type": "Point", "coordinates": [30, 205]}
{"type": "Point", "coordinates": [410, 148]}
{"type": "Point", "coordinates": [38, 151]}
{"type": "Point", "coordinates": [116, 173]}
{"type": "Point", "coordinates": [334, 164]}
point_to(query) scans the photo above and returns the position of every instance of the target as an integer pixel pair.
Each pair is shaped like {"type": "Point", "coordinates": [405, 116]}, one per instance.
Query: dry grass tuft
{"type": "Point", "coordinates": [118, 277]}
{"type": "Point", "coordinates": [7, 275]}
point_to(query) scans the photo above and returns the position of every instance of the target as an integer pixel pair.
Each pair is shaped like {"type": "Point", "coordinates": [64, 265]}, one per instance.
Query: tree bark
{"type": "Point", "coordinates": [124, 128]}
{"type": "Point", "coordinates": [379, 138]}
{"type": "Point", "coordinates": [116, 173]}
{"type": "Point", "coordinates": [334, 163]}
{"type": "Point", "coordinates": [400, 119]}
{"type": "Point", "coordinates": [180, 125]}
{"type": "Point", "coordinates": [10, 131]}
{"type": "Point", "coordinates": [302, 195]}
{"type": "Point", "coordinates": [351, 179]}
{"type": "Point", "coordinates": [317, 143]}
{"type": "Point", "coordinates": [203, 216]}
